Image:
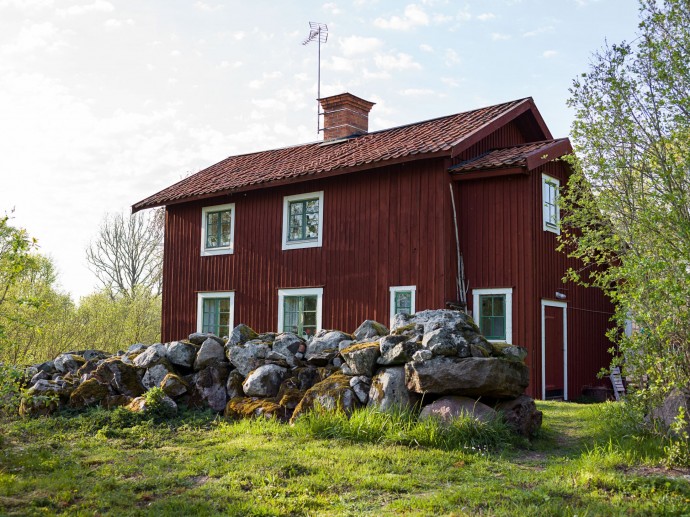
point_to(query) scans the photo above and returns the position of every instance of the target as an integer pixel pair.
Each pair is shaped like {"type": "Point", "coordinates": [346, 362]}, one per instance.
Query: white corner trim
{"type": "Point", "coordinates": [214, 294]}
{"type": "Point", "coordinates": [508, 292]}
{"type": "Point", "coordinates": [564, 306]}
{"type": "Point", "coordinates": [225, 250]}
{"type": "Point", "coordinates": [305, 291]}
{"type": "Point", "coordinates": [398, 288]}
{"type": "Point", "coordinates": [314, 243]}
{"type": "Point", "coordinates": [545, 180]}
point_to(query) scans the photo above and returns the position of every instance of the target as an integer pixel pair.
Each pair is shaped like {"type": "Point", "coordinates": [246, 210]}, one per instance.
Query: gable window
{"type": "Point", "coordinates": [215, 312]}
{"type": "Point", "coordinates": [299, 311]}
{"type": "Point", "coordinates": [218, 229]}
{"type": "Point", "coordinates": [303, 220]}
{"type": "Point", "coordinates": [493, 313]}
{"type": "Point", "coordinates": [402, 300]}
{"type": "Point", "coordinates": [551, 213]}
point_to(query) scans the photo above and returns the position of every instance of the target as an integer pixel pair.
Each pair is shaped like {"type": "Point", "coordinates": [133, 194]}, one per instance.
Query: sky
{"type": "Point", "coordinates": [105, 102]}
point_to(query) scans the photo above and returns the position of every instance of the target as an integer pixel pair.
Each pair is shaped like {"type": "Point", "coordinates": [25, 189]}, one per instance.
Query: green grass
{"type": "Point", "coordinates": [586, 461]}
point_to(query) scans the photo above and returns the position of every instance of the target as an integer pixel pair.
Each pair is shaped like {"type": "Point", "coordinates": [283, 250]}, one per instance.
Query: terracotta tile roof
{"type": "Point", "coordinates": [516, 156]}
{"type": "Point", "coordinates": [246, 171]}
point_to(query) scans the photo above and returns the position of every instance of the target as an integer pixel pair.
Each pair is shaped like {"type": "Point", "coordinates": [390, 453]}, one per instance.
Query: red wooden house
{"type": "Point", "coordinates": [364, 225]}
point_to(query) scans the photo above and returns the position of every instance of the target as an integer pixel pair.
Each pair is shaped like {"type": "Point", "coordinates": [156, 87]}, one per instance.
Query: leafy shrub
{"type": "Point", "coordinates": [10, 390]}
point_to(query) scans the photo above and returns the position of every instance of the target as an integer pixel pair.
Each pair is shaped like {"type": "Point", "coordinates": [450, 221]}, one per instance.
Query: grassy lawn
{"type": "Point", "coordinates": [198, 464]}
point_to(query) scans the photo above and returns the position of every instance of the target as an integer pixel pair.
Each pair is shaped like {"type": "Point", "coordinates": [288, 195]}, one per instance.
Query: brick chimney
{"type": "Point", "coordinates": [345, 115]}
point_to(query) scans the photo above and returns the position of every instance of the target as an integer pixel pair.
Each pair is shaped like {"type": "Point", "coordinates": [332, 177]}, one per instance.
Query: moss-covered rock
{"type": "Point", "coordinates": [370, 329]}
{"type": "Point", "coordinates": [173, 385]}
{"type": "Point", "coordinates": [361, 357]}
{"type": "Point", "coordinates": [252, 407]}
{"type": "Point", "coordinates": [332, 394]}
{"type": "Point", "coordinates": [44, 397]}
{"type": "Point", "coordinates": [68, 363]}
{"type": "Point", "coordinates": [89, 393]}
{"type": "Point", "coordinates": [123, 378]}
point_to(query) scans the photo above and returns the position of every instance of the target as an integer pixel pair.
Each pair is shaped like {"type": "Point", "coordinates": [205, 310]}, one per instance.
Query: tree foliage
{"type": "Point", "coordinates": [127, 254]}
{"type": "Point", "coordinates": [627, 204]}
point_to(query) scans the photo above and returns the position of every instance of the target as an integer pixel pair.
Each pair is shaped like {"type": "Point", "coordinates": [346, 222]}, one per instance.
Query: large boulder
{"type": "Point", "coordinates": [396, 349]}
{"type": "Point", "coordinates": [233, 386]}
{"type": "Point", "coordinates": [325, 340]}
{"type": "Point", "coordinates": [241, 334]}
{"type": "Point", "coordinates": [521, 415]}
{"type": "Point", "coordinates": [89, 393]}
{"type": "Point", "coordinates": [435, 319]}
{"type": "Point", "coordinates": [264, 381]}
{"type": "Point", "coordinates": [123, 378]}
{"type": "Point", "coordinates": [44, 397]}
{"type": "Point", "coordinates": [211, 352]}
{"type": "Point", "coordinates": [288, 344]}
{"type": "Point", "coordinates": [68, 363]}
{"type": "Point", "coordinates": [197, 338]}
{"type": "Point", "coordinates": [173, 385]}
{"type": "Point", "coordinates": [472, 376]}
{"type": "Point", "coordinates": [209, 386]}
{"type": "Point", "coordinates": [332, 394]}
{"type": "Point", "coordinates": [674, 403]}
{"type": "Point", "coordinates": [447, 342]}
{"type": "Point", "coordinates": [447, 408]}
{"type": "Point", "coordinates": [361, 357]}
{"type": "Point", "coordinates": [181, 354]}
{"type": "Point", "coordinates": [91, 355]}
{"type": "Point", "coordinates": [154, 376]}
{"type": "Point", "coordinates": [388, 389]}
{"type": "Point", "coordinates": [370, 329]}
{"type": "Point", "coordinates": [248, 356]}
{"type": "Point", "coordinates": [164, 404]}
{"type": "Point", "coordinates": [153, 354]}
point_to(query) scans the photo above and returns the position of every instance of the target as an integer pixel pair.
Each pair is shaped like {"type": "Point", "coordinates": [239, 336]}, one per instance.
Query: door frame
{"type": "Point", "coordinates": [564, 306]}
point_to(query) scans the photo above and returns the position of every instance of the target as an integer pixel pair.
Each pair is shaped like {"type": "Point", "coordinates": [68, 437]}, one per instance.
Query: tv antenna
{"type": "Point", "coordinates": [317, 32]}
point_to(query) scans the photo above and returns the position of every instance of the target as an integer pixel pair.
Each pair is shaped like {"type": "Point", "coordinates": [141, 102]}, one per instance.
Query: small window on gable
{"type": "Point", "coordinates": [299, 311]}
{"type": "Point", "coordinates": [402, 300]}
{"type": "Point", "coordinates": [551, 213]}
{"type": "Point", "coordinates": [218, 229]}
{"type": "Point", "coordinates": [493, 309]}
{"type": "Point", "coordinates": [215, 313]}
{"type": "Point", "coordinates": [303, 221]}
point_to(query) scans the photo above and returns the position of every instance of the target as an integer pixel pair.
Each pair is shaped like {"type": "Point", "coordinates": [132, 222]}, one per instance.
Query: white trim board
{"type": "Point", "coordinates": [564, 306]}
{"type": "Point", "coordinates": [214, 294]}
{"type": "Point", "coordinates": [398, 288]}
{"type": "Point", "coordinates": [306, 291]}
{"type": "Point", "coordinates": [315, 243]}
{"type": "Point", "coordinates": [508, 292]}
{"type": "Point", "coordinates": [221, 250]}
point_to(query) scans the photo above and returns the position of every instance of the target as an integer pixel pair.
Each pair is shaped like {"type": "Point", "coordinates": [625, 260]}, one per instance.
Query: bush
{"type": "Point", "coordinates": [10, 390]}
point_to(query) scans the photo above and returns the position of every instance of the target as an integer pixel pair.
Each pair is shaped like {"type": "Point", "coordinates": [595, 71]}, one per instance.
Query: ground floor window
{"type": "Point", "coordinates": [402, 300]}
{"type": "Point", "coordinates": [493, 313]}
{"type": "Point", "coordinates": [215, 312]}
{"type": "Point", "coordinates": [299, 311]}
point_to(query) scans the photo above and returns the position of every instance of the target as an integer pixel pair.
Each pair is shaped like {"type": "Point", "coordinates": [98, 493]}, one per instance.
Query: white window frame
{"type": "Point", "coordinates": [476, 309]}
{"type": "Point", "coordinates": [547, 184]}
{"type": "Point", "coordinates": [305, 291]}
{"type": "Point", "coordinates": [213, 295]}
{"type": "Point", "coordinates": [398, 288]}
{"type": "Point", "coordinates": [224, 250]}
{"type": "Point", "coordinates": [315, 243]}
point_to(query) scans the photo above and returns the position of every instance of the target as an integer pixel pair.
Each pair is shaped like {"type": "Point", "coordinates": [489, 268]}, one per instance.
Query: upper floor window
{"type": "Point", "coordinates": [549, 189]}
{"type": "Point", "coordinates": [402, 300]}
{"type": "Point", "coordinates": [217, 229]}
{"type": "Point", "coordinates": [215, 312]}
{"type": "Point", "coordinates": [493, 310]}
{"type": "Point", "coordinates": [303, 220]}
{"type": "Point", "coordinates": [299, 311]}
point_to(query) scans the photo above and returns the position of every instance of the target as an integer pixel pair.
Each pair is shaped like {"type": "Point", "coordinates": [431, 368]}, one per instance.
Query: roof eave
{"type": "Point", "coordinates": [548, 153]}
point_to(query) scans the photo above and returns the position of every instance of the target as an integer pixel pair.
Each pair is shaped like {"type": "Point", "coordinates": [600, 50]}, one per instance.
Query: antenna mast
{"type": "Point", "coordinates": [317, 32]}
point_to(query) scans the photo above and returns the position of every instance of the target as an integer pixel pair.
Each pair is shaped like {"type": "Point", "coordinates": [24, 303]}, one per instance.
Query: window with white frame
{"type": "Point", "coordinates": [551, 213]}
{"type": "Point", "coordinates": [402, 300]}
{"type": "Point", "coordinates": [303, 221]}
{"type": "Point", "coordinates": [218, 229]}
{"type": "Point", "coordinates": [299, 311]}
{"type": "Point", "coordinates": [493, 313]}
{"type": "Point", "coordinates": [216, 312]}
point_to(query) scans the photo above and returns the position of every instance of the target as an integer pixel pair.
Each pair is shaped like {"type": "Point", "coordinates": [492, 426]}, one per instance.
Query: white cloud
{"type": "Point", "coordinates": [228, 64]}
{"type": "Point", "coordinates": [441, 18]}
{"type": "Point", "coordinates": [417, 92]}
{"type": "Point", "coordinates": [540, 30]}
{"type": "Point", "coordinates": [453, 83]}
{"type": "Point", "coordinates": [412, 17]}
{"type": "Point", "coordinates": [485, 17]}
{"type": "Point", "coordinates": [498, 36]}
{"type": "Point", "coordinates": [355, 45]}
{"type": "Point", "coordinates": [239, 35]}
{"type": "Point", "coordinates": [269, 104]}
{"type": "Point", "coordinates": [78, 10]}
{"type": "Point", "coordinates": [426, 48]}
{"type": "Point", "coordinates": [451, 57]}
{"type": "Point", "coordinates": [340, 64]}
{"type": "Point", "coordinates": [332, 7]}
{"type": "Point", "coordinates": [39, 36]}
{"type": "Point", "coordinates": [114, 23]}
{"type": "Point", "coordinates": [203, 6]}
{"type": "Point", "coordinates": [175, 53]}
{"type": "Point", "coordinates": [550, 53]}
{"type": "Point", "coordinates": [399, 61]}
{"type": "Point", "coordinates": [464, 15]}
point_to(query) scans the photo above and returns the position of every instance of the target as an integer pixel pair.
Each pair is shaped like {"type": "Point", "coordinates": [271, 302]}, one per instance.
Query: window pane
{"type": "Point", "coordinates": [498, 305]}
{"type": "Point", "coordinates": [309, 318]}
{"type": "Point", "coordinates": [296, 208]}
{"type": "Point", "coordinates": [403, 302]}
{"type": "Point", "coordinates": [310, 303]}
{"type": "Point", "coordinates": [492, 317]}
{"type": "Point", "coordinates": [486, 306]}
{"type": "Point", "coordinates": [312, 206]}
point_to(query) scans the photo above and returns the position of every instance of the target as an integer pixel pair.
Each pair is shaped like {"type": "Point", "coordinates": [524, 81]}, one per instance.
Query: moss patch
{"type": "Point", "coordinates": [252, 407]}
{"type": "Point", "coordinates": [88, 393]}
{"type": "Point", "coordinates": [359, 346]}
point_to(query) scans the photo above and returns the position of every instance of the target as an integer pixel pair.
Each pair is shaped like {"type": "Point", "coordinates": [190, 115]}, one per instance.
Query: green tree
{"type": "Point", "coordinates": [627, 204]}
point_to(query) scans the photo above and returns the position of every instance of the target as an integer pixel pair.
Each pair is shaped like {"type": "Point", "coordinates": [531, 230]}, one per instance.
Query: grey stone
{"type": "Point", "coordinates": [346, 369]}
{"type": "Point", "coordinates": [331, 394]}
{"type": "Point", "coordinates": [345, 343]}
{"type": "Point", "coordinates": [154, 376]}
{"type": "Point", "coordinates": [388, 389]}
{"type": "Point", "coordinates": [233, 386]}
{"type": "Point", "coordinates": [68, 363]}
{"type": "Point", "coordinates": [123, 378]}
{"type": "Point", "coordinates": [472, 376]}
{"type": "Point", "coordinates": [448, 408]}
{"type": "Point", "coordinates": [181, 354]}
{"type": "Point", "coordinates": [518, 353]}
{"type": "Point", "coordinates": [248, 356]}
{"type": "Point", "coordinates": [446, 342]}
{"type": "Point", "coordinates": [435, 319]}
{"type": "Point", "coordinates": [211, 352]}
{"type": "Point", "coordinates": [209, 385]}
{"type": "Point", "coordinates": [264, 381]}
{"type": "Point", "coordinates": [39, 376]}
{"type": "Point", "coordinates": [370, 329]}
{"type": "Point", "coordinates": [197, 338]}
{"type": "Point", "coordinates": [360, 384]}
{"type": "Point", "coordinates": [521, 415]}
{"type": "Point", "coordinates": [241, 334]}
{"type": "Point", "coordinates": [288, 344]}
{"type": "Point", "coordinates": [48, 367]}
{"type": "Point", "coordinates": [136, 348]}
{"type": "Point", "coordinates": [422, 355]}
{"type": "Point", "coordinates": [325, 340]}
{"type": "Point", "coordinates": [396, 350]}
{"type": "Point", "coordinates": [44, 397]}
{"type": "Point", "coordinates": [361, 358]}
{"type": "Point", "coordinates": [140, 405]}
{"type": "Point", "coordinates": [668, 411]}
{"type": "Point", "coordinates": [173, 385]}
{"type": "Point", "coordinates": [153, 354]}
